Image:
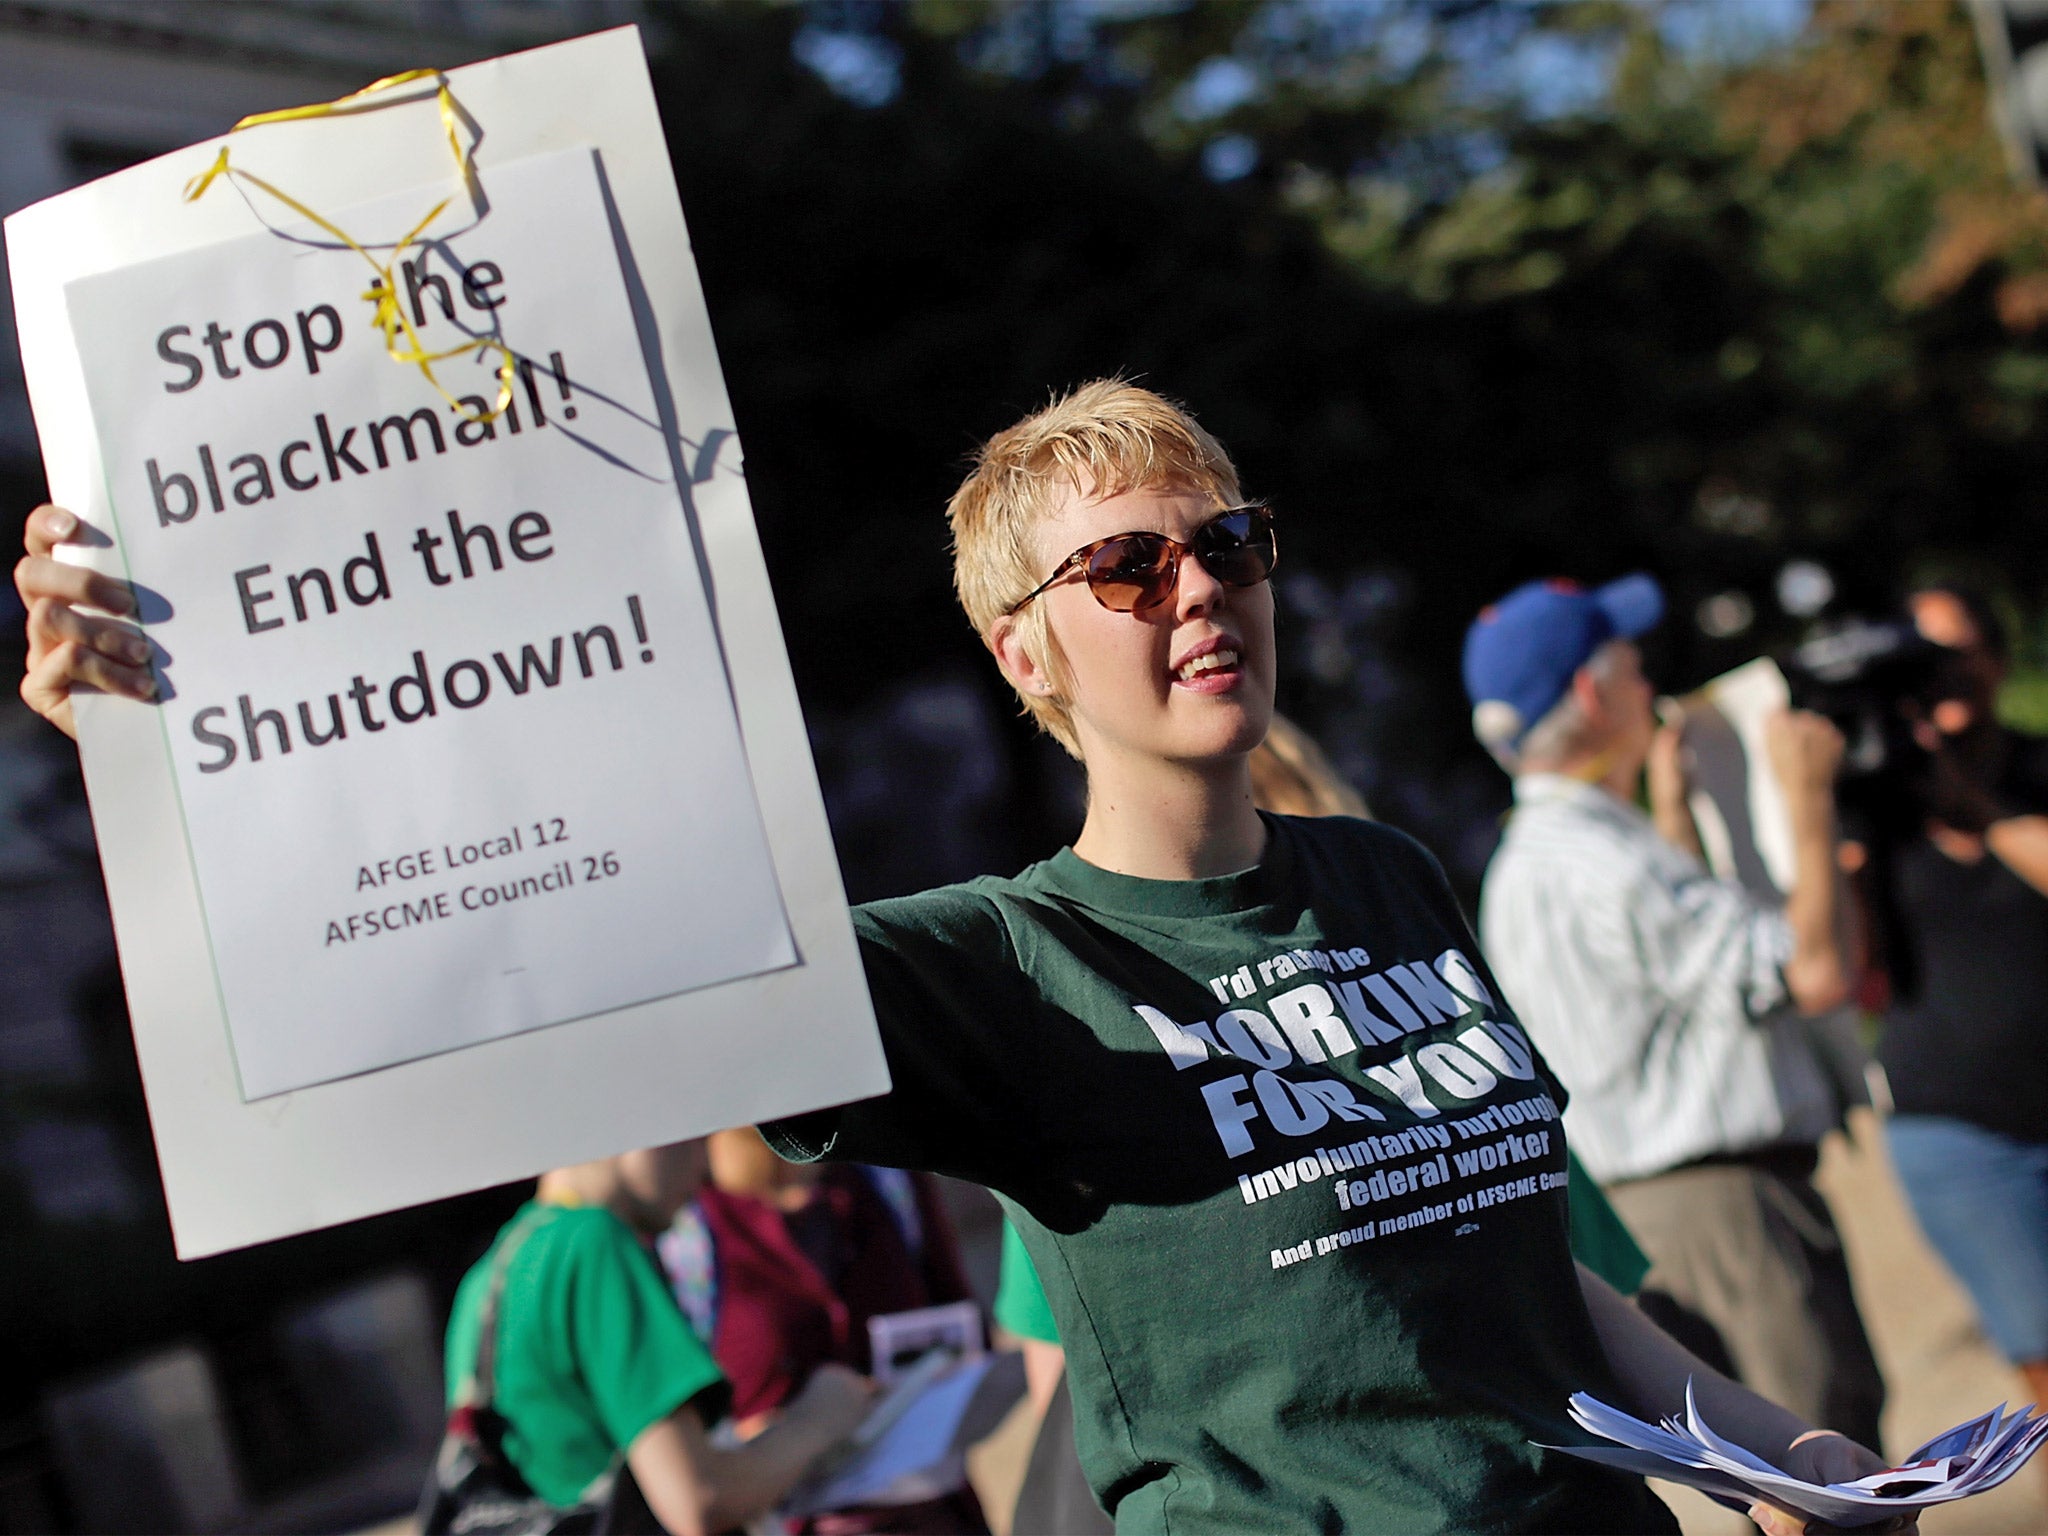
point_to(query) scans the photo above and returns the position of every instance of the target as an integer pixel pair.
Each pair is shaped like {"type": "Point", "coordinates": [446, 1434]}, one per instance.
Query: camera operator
{"type": "Point", "coordinates": [1961, 866]}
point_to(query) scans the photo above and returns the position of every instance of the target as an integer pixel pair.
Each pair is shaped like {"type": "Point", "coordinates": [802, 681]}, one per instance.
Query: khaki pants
{"type": "Point", "coordinates": [1747, 1270]}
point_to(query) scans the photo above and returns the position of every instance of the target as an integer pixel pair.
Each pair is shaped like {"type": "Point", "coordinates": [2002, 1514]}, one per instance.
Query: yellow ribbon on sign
{"type": "Point", "coordinates": [401, 341]}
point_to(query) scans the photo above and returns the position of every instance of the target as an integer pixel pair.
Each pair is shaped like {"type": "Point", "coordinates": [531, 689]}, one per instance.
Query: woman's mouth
{"type": "Point", "coordinates": [1211, 672]}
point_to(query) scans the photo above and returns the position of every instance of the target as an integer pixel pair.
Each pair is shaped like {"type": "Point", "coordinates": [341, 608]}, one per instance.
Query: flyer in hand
{"type": "Point", "coordinates": [1953, 1465]}
{"type": "Point", "coordinates": [912, 1447]}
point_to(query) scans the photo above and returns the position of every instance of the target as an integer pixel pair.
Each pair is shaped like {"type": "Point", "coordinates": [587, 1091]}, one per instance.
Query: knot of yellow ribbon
{"type": "Point", "coordinates": [401, 341]}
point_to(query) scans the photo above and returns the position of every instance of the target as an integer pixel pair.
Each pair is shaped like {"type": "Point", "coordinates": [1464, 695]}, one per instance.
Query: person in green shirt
{"type": "Point", "coordinates": [1289, 774]}
{"type": "Point", "coordinates": [595, 1364]}
{"type": "Point", "coordinates": [1283, 1156]}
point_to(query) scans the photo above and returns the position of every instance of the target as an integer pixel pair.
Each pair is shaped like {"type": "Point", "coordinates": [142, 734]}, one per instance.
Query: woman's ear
{"type": "Point", "coordinates": [1027, 674]}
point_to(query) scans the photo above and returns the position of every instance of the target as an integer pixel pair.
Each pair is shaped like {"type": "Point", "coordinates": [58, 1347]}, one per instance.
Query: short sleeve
{"type": "Point", "coordinates": [638, 1355]}
{"type": "Point", "coordinates": [1021, 1306]}
{"type": "Point", "coordinates": [944, 986]}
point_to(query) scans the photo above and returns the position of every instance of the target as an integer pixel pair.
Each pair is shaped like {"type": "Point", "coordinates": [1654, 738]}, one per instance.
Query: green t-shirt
{"type": "Point", "coordinates": [591, 1346]}
{"type": "Point", "coordinates": [1291, 1173]}
{"type": "Point", "coordinates": [1599, 1241]}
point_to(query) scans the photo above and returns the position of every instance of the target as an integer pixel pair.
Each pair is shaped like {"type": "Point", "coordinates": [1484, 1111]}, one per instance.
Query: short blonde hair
{"type": "Point", "coordinates": [1106, 437]}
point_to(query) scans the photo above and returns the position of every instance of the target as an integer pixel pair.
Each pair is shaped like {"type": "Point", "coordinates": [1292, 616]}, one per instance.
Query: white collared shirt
{"type": "Point", "coordinates": [1656, 991]}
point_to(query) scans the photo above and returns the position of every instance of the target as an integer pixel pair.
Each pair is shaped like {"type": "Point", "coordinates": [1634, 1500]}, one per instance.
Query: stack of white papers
{"type": "Point", "coordinates": [1965, 1460]}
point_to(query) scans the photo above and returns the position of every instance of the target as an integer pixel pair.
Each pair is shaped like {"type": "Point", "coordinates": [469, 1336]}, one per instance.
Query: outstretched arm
{"type": "Point", "coordinates": [694, 1487]}
{"type": "Point", "coordinates": [68, 648]}
{"type": "Point", "coordinates": [1653, 1369]}
{"type": "Point", "coordinates": [2021, 845]}
{"type": "Point", "coordinates": [1965, 802]}
{"type": "Point", "coordinates": [1806, 753]}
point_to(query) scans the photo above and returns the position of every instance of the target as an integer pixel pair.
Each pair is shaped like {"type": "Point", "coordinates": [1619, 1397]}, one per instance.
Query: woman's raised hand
{"type": "Point", "coordinates": [68, 648]}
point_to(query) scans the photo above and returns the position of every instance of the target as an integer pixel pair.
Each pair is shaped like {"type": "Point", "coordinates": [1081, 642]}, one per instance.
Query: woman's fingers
{"type": "Point", "coordinates": [1773, 1521]}
{"type": "Point", "coordinates": [46, 685]}
{"type": "Point", "coordinates": [44, 690]}
{"type": "Point", "coordinates": [47, 527]}
{"type": "Point", "coordinates": [69, 649]}
{"type": "Point", "coordinates": [52, 623]}
{"type": "Point", "coordinates": [70, 665]}
{"type": "Point", "coordinates": [39, 576]}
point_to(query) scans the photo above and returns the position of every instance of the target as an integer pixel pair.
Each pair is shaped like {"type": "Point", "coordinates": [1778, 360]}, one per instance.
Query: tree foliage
{"type": "Point", "coordinates": [1476, 291]}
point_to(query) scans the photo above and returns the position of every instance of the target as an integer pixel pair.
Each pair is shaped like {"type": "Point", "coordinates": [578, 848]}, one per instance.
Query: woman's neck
{"type": "Point", "coordinates": [1169, 821]}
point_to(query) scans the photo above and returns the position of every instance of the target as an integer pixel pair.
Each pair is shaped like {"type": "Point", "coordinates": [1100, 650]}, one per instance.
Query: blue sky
{"type": "Point", "coordinates": [1555, 72]}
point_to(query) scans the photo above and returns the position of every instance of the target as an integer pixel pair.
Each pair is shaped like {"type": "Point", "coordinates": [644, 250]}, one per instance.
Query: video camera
{"type": "Point", "coordinates": [1872, 678]}
{"type": "Point", "coordinates": [1875, 679]}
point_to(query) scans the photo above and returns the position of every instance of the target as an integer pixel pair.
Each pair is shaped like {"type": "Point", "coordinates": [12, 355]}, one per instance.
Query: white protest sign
{"type": "Point", "coordinates": [450, 727]}
{"type": "Point", "coordinates": [543, 872]}
{"type": "Point", "coordinates": [1736, 801]}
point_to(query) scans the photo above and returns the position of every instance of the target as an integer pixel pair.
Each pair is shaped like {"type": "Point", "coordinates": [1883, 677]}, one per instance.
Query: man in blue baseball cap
{"type": "Point", "coordinates": [1522, 653]}
{"type": "Point", "coordinates": [1668, 1001]}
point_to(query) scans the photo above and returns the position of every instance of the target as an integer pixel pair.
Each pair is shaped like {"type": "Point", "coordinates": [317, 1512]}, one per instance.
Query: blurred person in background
{"type": "Point", "coordinates": [1226, 1376]}
{"type": "Point", "coordinates": [1962, 870]}
{"type": "Point", "coordinates": [1055, 1499]}
{"type": "Point", "coordinates": [594, 1366]}
{"type": "Point", "coordinates": [779, 1266]}
{"type": "Point", "coordinates": [1293, 776]}
{"type": "Point", "coordinates": [1670, 1000]}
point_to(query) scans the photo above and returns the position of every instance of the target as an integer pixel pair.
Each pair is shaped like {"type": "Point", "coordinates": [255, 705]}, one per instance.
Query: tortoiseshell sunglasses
{"type": "Point", "coordinates": [1131, 572]}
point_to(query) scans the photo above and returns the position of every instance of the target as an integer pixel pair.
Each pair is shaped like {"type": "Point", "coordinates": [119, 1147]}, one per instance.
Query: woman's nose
{"type": "Point", "coordinates": [1195, 590]}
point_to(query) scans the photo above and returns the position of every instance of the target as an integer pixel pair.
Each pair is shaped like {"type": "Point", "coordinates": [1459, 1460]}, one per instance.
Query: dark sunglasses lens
{"type": "Point", "coordinates": [1238, 550]}
{"type": "Point", "coordinates": [1131, 572]}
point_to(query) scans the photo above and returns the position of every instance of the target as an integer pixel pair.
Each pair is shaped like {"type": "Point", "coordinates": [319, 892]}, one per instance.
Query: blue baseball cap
{"type": "Point", "coordinates": [1521, 652]}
